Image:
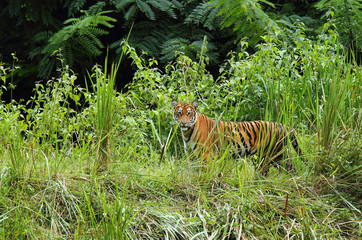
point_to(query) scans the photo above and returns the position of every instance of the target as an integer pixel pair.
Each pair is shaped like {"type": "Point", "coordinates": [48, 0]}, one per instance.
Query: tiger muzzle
{"type": "Point", "coordinates": [184, 127]}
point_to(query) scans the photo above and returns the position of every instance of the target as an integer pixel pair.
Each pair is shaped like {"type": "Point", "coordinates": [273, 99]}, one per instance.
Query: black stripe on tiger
{"type": "Point", "coordinates": [208, 136]}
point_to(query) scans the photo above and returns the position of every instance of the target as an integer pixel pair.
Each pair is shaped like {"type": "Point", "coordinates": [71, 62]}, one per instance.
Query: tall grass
{"type": "Point", "coordinates": [104, 108]}
{"type": "Point", "coordinates": [104, 112]}
{"type": "Point", "coordinates": [149, 187]}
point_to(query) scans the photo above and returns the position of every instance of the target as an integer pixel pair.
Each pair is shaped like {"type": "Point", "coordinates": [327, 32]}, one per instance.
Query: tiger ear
{"type": "Point", "coordinates": [195, 104]}
{"type": "Point", "coordinates": [174, 102]}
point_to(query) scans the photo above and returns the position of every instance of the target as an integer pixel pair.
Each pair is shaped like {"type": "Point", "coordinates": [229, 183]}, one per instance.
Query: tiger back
{"type": "Point", "coordinates": [207, 136]}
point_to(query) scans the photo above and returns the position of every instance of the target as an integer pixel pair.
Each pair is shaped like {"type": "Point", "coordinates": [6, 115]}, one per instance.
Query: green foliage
{"type": "Point", "coordinates": [205, 14]}
{"type": "Point", "coordinates": [78, 40]}
{"type": "Point", "coordinates": [34, 12]}
{"type": "Point", "coordinates": [346, 16]}
{"type": "Point", "coordinates": [104, 108]}
{"type": "Point", "coordinates": [146, 36]}
{"type": "Point", "coordinates": [160, 28]}
{"type": "Point", "coordinates": [310, 87]}
{"type": "Point", "coordinates": [74, 6]}
{"type": "Point", "coordinates": [189, 48]}
{"type": "Point", "coordinates": [12, 140]}
{"type": "Point", "coordinates": [152, 189]}
{"type": "Point", "coordinates": [246, 18]}
{"type": "Point", "coordinates": [133, 7]}
{"type": "Point", "coordinates": [104, 88]}
{"type": "Point", "coordinates": [162, 40]}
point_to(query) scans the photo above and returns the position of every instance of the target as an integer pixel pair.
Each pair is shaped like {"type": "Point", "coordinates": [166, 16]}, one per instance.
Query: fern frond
{"type": "Point", "coordinates": [104, 20]}
{"type": "Point", "coordinates": [246, 17]}
{"type": "Point", "coordinates": [205, 13]}
{"type": "Point", "coordinates": [97, 31]}
{"type": "Point", "coordinates": [96, 8]}
{"type": "Point", "coordinates": [131, 12]}
{"type": "Point", "coordinates": [46, 65]}
{"type": "Point", "coordinates": [79, 38]}
{"type": "Point", "coordinates": [74, 6]}
{"type": "Point", "coordinates": [94, 39]}
{"type": "Point", "coordinates": [211, 18]}
{"type": "Point", "coordinates": [146, 9]}
{"type": "Point", "coordinates": [122, 4]}
{"type": "Point", "coordinates": [42, 36]}
{"type": "Point", "coordinates": [177, 4]}
{"type": "Point", "coordinates": [171, 46]}
{"type": "Point", "coordinates": [87, 46]}
{"type": "Point", "coordinates": [67, 52]}
{"type": "Point", "coordinates": [164, 6]}
{"type": "Point", "coordinates": [146, 35]}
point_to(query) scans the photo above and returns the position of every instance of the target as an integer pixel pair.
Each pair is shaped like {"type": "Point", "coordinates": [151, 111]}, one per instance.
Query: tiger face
{"type": "Point", "coordinates": [185, 114]}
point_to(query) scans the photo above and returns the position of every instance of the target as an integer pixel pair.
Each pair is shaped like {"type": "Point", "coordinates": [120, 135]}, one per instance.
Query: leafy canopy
{"type": "Point", "coordinates": [80, 37]}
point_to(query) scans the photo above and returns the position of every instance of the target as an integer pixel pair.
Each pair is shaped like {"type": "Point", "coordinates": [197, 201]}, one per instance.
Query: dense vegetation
{"type": "Point", "coordinates": [83, 29]}
{"type": "Point", "coordinates": [80, 160]}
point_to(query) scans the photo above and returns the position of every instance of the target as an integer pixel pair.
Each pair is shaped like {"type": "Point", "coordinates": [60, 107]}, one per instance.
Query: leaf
{"type": "Point", "coordinates": [124, 4]}
{"type": "Point", "coordinates": [131, 12]}
{"type": "Point", "coordinates": [144, 7]}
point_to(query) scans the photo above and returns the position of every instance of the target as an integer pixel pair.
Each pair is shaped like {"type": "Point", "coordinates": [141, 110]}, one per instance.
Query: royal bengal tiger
{"type": "Point", "coordinates": [207, 136]}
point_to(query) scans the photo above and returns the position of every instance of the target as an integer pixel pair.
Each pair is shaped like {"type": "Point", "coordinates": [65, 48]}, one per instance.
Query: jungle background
{"type": "Point", "coordinates": [89, 148]}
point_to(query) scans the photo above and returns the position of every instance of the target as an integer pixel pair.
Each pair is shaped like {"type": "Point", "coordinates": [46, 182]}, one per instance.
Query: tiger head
{"type": "Point", "coordinates": [185, 114]}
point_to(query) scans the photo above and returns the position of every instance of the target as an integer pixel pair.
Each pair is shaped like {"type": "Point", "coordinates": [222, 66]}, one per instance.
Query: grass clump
{"type": "Point", "coordinates": [50, 186]}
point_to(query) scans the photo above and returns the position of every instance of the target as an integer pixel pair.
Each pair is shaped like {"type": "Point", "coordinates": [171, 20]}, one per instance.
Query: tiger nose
{"type": "Point", "coordinates": [183, 121]}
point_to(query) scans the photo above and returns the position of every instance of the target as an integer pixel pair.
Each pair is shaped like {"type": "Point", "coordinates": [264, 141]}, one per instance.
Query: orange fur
{"type": "Point", "coordinates": [208, 136]}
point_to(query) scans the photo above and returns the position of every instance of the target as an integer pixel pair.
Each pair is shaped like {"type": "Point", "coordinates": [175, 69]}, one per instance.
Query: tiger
{"type": "Point", "coordinates": [206, 136]}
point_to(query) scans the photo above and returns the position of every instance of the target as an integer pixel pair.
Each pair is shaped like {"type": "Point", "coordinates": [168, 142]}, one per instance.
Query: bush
{"type": "Point", "coordinates": [50, 187]}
